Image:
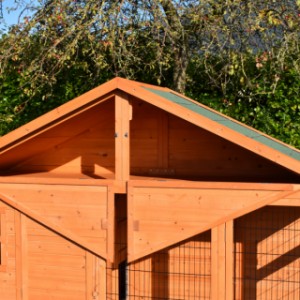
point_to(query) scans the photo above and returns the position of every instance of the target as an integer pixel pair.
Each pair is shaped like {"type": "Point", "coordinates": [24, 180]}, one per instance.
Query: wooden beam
{"type": "Point", "coordinates": [101, 278]}
{"type": "Point", "coordinates": [122, 138]}
{"type": "Point", "coordinates": [48, 180]}
{"type": "Point", "coordinates": [173, 183]}
{"type": "Point", "coordinates": [229, 259]}
{"type": "Point", "coordinates": [110, 255]}
{"type": "Point", "coordinates": [18, 244]}
{"type": "Point", "coordinates": [21, 257]}
{"type": "Point", "coordinates": [218, 263]}
{"type": "Point", "coordinates": [290, 200]}
{"type": "Point", "coordinates": [222, 262]}
{"type": "Point", "coordinates": [3, 240]}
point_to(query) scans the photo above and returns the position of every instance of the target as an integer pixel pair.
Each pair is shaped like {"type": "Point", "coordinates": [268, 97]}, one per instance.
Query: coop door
{"type": "Point", "coordinates": [161, 214]}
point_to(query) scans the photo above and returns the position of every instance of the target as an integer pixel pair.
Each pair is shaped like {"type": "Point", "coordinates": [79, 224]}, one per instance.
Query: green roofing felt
{"type": "Point", "coordinates": [221, 119]}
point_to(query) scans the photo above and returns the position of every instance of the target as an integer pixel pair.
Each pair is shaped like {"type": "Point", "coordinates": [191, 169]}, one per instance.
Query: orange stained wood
{"type": "Point", "coordinates": [82, 145]}
{"type": "Point", "coordinates": [76, 213]}
{"type": "Point", "coordinates": [123, 114]}
{"type": "Point", "coordinates": [222, 262]}
{"type": "Point", "coordinates": [138, 91]}
{"type": "Point", "coordinates": [163, 145]}
{"type": "Point", "coordinates": [29, 134]}
{"type": "Point", "coordinates": [3, 240]}
{"type": "Point", "coordinates": [176, 213]}
{"type": "Point", "coordinates": [50, 269]}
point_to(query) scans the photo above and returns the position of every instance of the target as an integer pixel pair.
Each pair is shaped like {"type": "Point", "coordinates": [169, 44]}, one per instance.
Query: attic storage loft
{"type": "Point", "coordinates": [133, 191]}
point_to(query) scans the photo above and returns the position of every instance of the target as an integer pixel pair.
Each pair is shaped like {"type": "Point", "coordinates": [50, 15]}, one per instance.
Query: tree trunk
{"type": "Point", "coordinates": [178, 38]}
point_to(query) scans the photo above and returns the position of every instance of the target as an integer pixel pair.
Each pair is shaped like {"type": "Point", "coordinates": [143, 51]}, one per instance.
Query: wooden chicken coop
{"type": "Point", "coordinates": [133, 191]}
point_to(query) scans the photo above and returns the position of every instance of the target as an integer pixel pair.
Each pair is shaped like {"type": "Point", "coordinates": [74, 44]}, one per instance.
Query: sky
{"type": "Point", "coordinates": [11, 17]}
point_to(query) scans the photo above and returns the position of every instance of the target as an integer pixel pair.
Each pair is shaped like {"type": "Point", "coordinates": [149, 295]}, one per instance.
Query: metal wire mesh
{"type": "Point", "coordinates": [179, 272]}
{"type": "Point", "coordinates": [267, 254]}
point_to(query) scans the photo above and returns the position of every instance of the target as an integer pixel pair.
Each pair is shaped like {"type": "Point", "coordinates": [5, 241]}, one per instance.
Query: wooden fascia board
{"type": "Point", "coordinates": [58, 115]}
{"type": "Point", "coordinates": [164, 183]}
{"type": "Point", "coordinates": [56, 181]}
{"type": "Point", "coordinates": [212, 126]}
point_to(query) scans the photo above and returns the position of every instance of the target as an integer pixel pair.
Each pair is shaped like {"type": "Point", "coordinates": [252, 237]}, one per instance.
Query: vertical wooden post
{"type": "Point", "coordinates": [123, 112]}
{"type": "Point", "coordinates": [229, 260]}
{"type": "Point", "coordinates": [222, 262]}
{"type": "Point", "coordinates": [110, 232]}
{"type": "Point", "coordinates": [3, 240]}
{"type": "Point", "coordinates": [218, 263]}
{"type": "Point", "coordinates": [101, 270]}
{"type": "Point", "coordinates": [21, 256]}
{"type": "Point", "coordinates": [89, 275]}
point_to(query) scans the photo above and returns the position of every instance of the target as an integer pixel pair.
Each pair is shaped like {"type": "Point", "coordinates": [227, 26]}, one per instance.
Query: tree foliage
{"type": "Point", "coordinates": [241, 57]}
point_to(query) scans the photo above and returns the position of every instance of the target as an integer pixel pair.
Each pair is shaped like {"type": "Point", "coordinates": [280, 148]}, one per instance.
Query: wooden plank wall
{"type": "Point", "coordinates": [83, 145]}
{"type": "Point", "coordinates": [163, 145]}
{"type": "Point", "coordinates": [55, 268]}
{"type": "Point", "coordinates": [77, 212]}
{"type": "Point", "coordinates": [176, 213]}
{"type": "Point", "coordinates": [8, 288]}
{"type": "Point", "coordinates": [40, 264]}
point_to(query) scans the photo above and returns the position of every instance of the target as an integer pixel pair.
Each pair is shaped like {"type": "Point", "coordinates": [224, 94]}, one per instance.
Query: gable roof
{"type": "Point", "coordinates": [172, 102]}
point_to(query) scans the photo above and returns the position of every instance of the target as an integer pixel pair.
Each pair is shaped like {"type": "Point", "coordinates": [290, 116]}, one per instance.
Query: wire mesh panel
{"type": "Point", "coordinates": [267, 254]}
{"type": "Point", "coordinates": [179, 272]}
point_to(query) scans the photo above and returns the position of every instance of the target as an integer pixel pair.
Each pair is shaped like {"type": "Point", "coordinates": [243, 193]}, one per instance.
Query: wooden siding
{"type": "Point", "coordinates": [54, 268]}
{"type": "Point", "coordinates": [83, 145]}
{"type": "Point", "coordinates": [163, 145]}
{"type": "Point", "coordinates": [127, 136]}
{"type": "Point", "coordinates": [79, 214]}
{"type": "Point", "coordinates": [41, 264]}
{"type": "Point", "coordinates": [176, 213]}
{"type": "Point", "coordinates": [8, 288]}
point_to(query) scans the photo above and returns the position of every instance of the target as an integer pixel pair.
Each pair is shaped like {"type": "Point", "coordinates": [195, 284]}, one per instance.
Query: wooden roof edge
{"type": "Point", "coordinates": [81, 242]}
{"type": "Point", "coordinates": [57, 113]}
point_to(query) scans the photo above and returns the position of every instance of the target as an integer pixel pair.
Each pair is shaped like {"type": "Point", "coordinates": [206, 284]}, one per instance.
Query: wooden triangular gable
{"type": "Point", "coordinates": [97, 108]}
